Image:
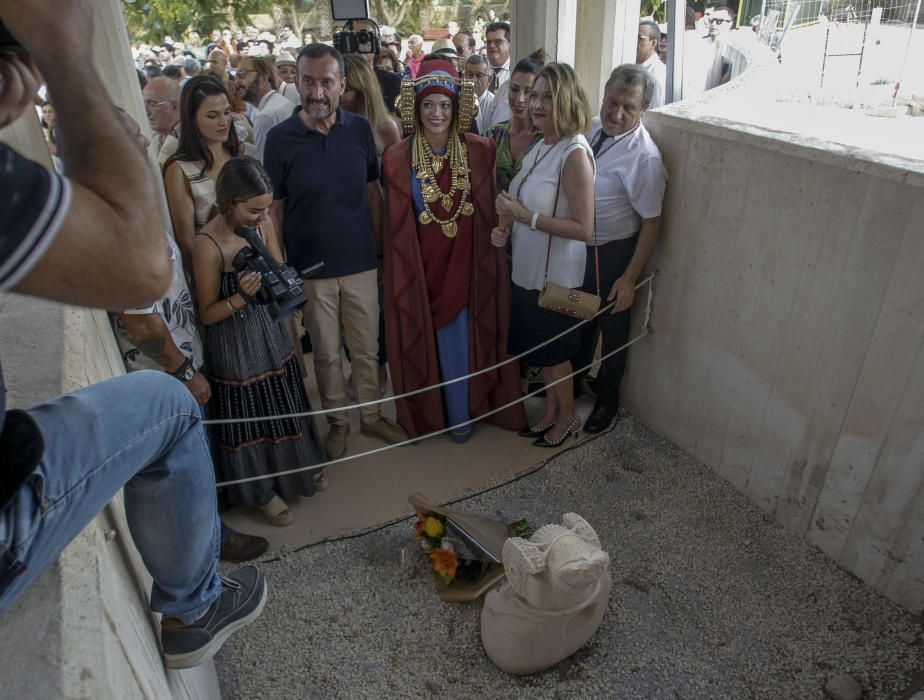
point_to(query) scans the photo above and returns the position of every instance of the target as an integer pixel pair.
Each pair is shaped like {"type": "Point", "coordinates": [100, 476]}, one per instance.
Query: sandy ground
{"type": "Point", "coordinates": [711, 599]}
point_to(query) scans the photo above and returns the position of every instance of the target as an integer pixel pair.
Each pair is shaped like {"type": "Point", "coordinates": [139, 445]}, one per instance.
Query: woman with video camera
{"type": "Point", "coordinates": [249, 357]}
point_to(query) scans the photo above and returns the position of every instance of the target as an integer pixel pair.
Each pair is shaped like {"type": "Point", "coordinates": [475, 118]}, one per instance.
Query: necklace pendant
{"type": "Point", "coordinates": [468, 209]}
{"type": "Point", "coordinates": [450, 229]}
{"type": "Point", "coordinates": [446, 201]}
{"type": "Point", "coordinates": [425, 218]}
{"type": "Point", "coordinates": [430, 194]}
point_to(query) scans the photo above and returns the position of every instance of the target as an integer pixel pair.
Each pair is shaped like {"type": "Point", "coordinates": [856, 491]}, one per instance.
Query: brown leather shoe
{"type": "Point", "coordinates": [383, 428]}
{"type": "Point", "coordinates": [240, 547]}
{"type": "Point", "coordinates": [335, 444]}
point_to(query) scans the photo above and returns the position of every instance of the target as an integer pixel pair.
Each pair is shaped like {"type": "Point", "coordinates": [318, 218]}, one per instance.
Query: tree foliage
{"type": "Point", "coordinates": [403, 15]}
{"type": "Point", "coordinates": [151, 20]}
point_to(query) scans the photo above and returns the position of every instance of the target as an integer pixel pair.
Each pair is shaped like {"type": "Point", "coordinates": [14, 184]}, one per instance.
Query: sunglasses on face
{"type": "Point", "coordinates": [718, 20]}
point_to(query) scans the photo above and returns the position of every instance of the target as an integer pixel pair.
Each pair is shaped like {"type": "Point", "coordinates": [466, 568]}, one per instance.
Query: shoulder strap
{"type": "Point", "coordinates": [222, 255]}
{"type": "Point", "coordinates": [548, 252]}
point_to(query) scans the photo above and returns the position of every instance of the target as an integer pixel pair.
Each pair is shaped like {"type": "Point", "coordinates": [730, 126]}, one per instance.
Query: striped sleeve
{"type": "Point", "coordinates": [33, 203]}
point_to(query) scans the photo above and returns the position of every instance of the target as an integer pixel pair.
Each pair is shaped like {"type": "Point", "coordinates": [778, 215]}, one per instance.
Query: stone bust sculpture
{"type": "Point", "coordinates": [556, 590]}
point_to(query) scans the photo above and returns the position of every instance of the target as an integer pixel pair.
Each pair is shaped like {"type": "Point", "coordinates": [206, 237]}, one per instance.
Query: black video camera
{"type": "Point", "coordinates": [280, 284]}
{"type": "Point", "coordinates": [364, 41]}
{"type": "Point", "coordinates": [349, 41]}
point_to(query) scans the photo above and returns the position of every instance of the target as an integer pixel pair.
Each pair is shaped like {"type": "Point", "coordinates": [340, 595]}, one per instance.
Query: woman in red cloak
{"type": "Point", "coordinates": [446, 288]}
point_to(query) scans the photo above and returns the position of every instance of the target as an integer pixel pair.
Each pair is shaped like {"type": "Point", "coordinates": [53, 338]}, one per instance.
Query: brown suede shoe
{"type": "Point", "coordinates": [335, 444]}
{"type": "Point", "coordinates": [240, 547]}
{"type": "Point", "coordinates": [383, 428]}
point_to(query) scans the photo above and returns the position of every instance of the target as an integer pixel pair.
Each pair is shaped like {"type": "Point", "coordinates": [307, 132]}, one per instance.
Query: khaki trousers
{"type": "Point", "coordinates": [350, 304]}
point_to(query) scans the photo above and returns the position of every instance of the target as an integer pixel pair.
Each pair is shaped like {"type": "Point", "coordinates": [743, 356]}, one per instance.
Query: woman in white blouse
{"type": "Point", "coordinates": [551, 205]}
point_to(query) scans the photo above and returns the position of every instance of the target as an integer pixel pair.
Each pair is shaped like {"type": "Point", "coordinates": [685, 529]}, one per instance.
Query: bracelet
{"type": "Point", "coordinates": [535, 219]}
{"type": "Point", "coordinates": [231, 306]}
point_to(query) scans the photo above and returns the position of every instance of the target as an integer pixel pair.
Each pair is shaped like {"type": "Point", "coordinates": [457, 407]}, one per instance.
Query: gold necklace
{"type": "Point", "coordinates": [427, 165]}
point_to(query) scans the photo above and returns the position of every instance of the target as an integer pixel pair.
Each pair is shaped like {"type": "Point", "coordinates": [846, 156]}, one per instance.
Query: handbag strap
{"type": "Point", "coordinates": [548, 251]}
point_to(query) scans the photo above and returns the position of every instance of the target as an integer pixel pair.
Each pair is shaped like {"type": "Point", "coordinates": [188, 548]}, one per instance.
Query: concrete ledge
{"type": "Point", "coordinates": [84, 629]}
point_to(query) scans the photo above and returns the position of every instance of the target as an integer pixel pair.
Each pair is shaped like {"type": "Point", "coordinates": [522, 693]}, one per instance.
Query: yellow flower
{"type": "Point", "coordinates": [433, 527]}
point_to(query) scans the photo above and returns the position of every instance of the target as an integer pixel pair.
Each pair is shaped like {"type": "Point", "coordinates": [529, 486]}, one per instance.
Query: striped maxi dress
{"type": "Point", "coordinates": [250, 363]}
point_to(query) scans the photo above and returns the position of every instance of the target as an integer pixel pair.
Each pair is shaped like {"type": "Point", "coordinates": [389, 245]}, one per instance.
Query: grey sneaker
{"type": "Point", "coordinates": [242, 597]}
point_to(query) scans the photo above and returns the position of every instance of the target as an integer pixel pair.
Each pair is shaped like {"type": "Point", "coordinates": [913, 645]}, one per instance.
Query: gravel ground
{"type": "Point", "coordinates": [711, 599]}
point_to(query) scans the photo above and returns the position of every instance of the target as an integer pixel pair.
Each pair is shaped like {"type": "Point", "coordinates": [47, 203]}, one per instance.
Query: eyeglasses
{"type": "Point", "coordinates": [151, 104]}
{"type": "Point", "coordinates": [476, 76]}
{"type": "Point", "coordinates": [718, 20]}
{"type": "Point", "coordinates": [242, 72]}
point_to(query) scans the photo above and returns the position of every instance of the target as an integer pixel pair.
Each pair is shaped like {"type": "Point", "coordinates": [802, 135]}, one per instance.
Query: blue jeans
{"type": "Point", "coordinates": [142, 431]}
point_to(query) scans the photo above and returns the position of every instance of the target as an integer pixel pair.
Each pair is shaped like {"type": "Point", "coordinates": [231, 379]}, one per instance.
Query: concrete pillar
{"type": "Point", "coordinates": [548, 24]}
{"type": "Point", "coordinates": [84, 628]}
{"type": "Point", "coordinates": [607, 34]}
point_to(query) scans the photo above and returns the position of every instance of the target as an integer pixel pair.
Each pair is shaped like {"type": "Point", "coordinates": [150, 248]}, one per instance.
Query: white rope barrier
{"type": "Point", "coordinates": [432, 387]}
{"type": "Point", "coordinates": [316, 467]}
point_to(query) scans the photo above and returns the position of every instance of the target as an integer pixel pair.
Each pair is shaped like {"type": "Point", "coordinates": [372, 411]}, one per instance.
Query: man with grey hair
{"type": "Point", "coordinates": [628, 192]}
{"type": "Point", "coordinates": [192, 68]}
{"type": "Point", "coordinates": [478, 70]}
{"type": "Point", "coordinates": [646, 55]}
{"type": "Point", "coordinates": [162, 106]}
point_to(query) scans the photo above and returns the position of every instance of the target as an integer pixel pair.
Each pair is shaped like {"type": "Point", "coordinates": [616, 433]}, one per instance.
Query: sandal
{"type": "Point", "coordinates": [277, 512]}
{"type": "Point", "coordinates": [320, 481]}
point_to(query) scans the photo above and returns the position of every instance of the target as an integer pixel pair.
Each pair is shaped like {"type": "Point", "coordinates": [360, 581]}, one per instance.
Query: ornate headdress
{"type": "Point", "coordinates": [437, 75]}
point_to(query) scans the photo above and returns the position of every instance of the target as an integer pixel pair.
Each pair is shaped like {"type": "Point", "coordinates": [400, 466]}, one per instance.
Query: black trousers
{"type": "Point", "coordinates": [615, 257]}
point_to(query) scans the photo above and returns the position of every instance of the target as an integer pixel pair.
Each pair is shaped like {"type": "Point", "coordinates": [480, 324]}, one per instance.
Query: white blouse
{"type": "Point", "coordinates": [539, 185]}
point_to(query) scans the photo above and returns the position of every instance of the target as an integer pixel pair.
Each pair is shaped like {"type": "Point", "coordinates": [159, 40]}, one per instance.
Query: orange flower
{"type": "Point", "coordinates": [445, 563]}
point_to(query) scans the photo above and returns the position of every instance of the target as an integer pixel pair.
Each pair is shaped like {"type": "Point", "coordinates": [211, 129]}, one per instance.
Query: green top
{"type": "Point", "coordinates": [506, 167]}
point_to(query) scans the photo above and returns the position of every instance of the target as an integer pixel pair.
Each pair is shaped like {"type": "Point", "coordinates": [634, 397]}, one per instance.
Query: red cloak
{"type": "Point", "coordinates": [409, 334]}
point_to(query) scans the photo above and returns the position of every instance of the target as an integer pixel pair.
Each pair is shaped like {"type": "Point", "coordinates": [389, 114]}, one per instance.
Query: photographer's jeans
{"type": "Point", "coordinates": [143, 431]}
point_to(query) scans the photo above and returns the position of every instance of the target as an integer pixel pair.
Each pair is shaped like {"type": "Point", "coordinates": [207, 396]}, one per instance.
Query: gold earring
{"type": "Point", "coordinates": [404, 106]}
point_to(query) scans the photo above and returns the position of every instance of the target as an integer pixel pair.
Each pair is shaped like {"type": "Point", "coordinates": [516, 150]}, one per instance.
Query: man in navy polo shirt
{"type": "Point", "coordinates": [328, 206]}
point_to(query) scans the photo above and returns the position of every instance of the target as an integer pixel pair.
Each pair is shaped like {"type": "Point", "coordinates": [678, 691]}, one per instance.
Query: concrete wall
{"type": "Point", "coordinates": [788, 343]}
{"type": "Point", "coordinates": [83, 630]}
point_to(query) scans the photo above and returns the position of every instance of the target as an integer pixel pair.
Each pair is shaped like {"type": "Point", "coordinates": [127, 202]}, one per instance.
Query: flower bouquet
{"type": "Point", "coordinates": [463, 550]}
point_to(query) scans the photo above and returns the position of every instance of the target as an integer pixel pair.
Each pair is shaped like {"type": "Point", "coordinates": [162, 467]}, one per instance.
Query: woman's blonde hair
{"type": "Point", "coordinates": [570, 109]}
{"type": "Point", "coordinates": [361, 78]}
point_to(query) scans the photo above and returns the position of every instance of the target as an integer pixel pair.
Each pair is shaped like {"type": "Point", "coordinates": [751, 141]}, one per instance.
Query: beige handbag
{"type": "Point", "coordinates": [571, 302]}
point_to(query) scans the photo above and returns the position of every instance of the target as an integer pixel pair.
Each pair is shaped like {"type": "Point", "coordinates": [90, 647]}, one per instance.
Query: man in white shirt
{"type": "Point", "coordinates": [646, 55]}
{"type": "Point", "coordinates": [257, 81]}
{"type": "Point", "coordinates": [497, 49]}
{"type": "Point", "coordinates": [478, 70]}
{"type": "Point", "coordinates": [162, 106]}
{"type": "Point", "coordinates": [497, 43]}
{"type": "Point", "coordinates": [628, 192]}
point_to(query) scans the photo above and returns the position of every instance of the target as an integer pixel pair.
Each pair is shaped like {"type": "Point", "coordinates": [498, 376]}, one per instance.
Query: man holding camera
{"type": "Point", "coordinates": [94, 239]}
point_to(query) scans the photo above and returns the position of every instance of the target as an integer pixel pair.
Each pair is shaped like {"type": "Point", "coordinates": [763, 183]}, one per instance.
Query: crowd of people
{"type": "Point", "coordinates": [440, 211]}
{"type": "Point", "coordinates": [402, 201]}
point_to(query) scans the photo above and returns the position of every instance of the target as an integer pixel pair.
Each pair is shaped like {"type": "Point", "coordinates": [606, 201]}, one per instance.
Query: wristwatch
{"type": "Point", "coordinates": [185, 371]}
